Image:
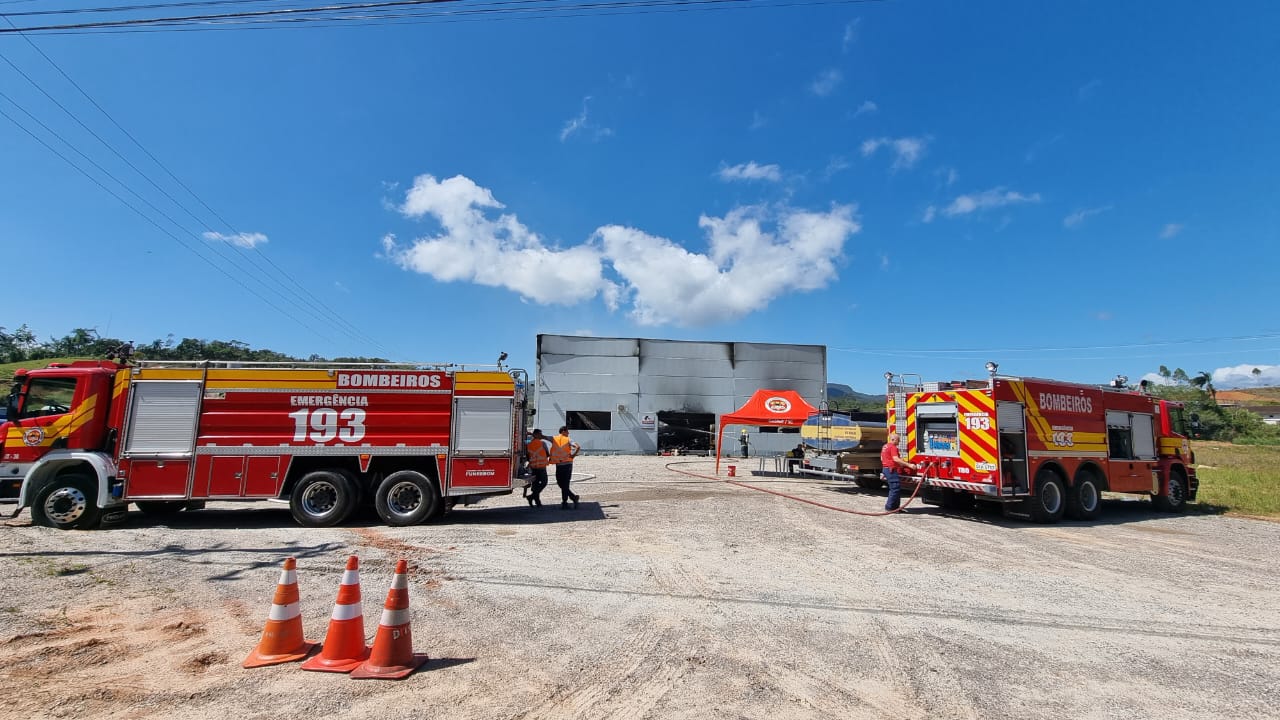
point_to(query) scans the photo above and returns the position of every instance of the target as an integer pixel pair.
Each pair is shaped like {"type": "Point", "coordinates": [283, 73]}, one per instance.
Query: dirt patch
{"type": "Point", "coordinates": [658, 598]}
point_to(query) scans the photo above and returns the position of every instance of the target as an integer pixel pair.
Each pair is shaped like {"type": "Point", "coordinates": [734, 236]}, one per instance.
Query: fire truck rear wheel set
{"type": "Point", "coordinates": [323, 498]}
{"type": "Point", "coordinates": [406, 497]}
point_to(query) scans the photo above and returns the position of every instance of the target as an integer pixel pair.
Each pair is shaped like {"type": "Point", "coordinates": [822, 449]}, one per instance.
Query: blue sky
{"type": "Point", "coordinates": [1073, 189]}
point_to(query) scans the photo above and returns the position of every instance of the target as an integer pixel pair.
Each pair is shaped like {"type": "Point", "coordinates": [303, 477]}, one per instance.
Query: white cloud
{"type": "Point", "coordinates": [850, 34]}
{"type": "Point", "coordinates": [1074, 219]}
{"type": "Point", "coordinates": [751, 171]}
{"type": "Point", "coordinates": [837, 163]}
{"type": "Point", "coordinates": [1040, 146]}
{"type": "Point", "coordinates": [755, 255]}
{"type": "Point", "coordinates": [826, 82]}
{"type": "Point", "coordinates": [986, 200]}
{"type": "Point", "coordinates": [1242, 376]}
{"type": "Point", "coordinates": [1238, 376]}
{"type": "Point", "coordinates": [930, 213]}
{"type": "Point", "coordinates": [748, 264]}
{"type": "Point", "coordinates": [867, 107]}
{"type": "Point", "coordinates": [1170, 230]}
{"type": "Point", "coordinates": [243, 239]}
{"type": "Point", "coordinates": [583, 124]}
{"type": "Point", "coordinates": [948, 175]}
{"type": "Point", "coordinates": [907, 151]}
{"type": "Point", "coordinates": [1087, 90]}
{"type": "Point", "coordinates": [757, 120]}
{"type": "Point", "coordinates": [498, 252]}
{"type": "Point", "coordinates": [1155, 379]}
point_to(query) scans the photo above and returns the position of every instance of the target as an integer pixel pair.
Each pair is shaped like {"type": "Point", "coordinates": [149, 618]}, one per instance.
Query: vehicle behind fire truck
{"type": "Point", "coordinates": [83, 440]}
{"type": "Point", "coordinates": [1042, 447]}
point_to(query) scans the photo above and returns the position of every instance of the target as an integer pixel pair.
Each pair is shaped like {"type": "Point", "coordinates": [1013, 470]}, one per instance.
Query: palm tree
{"type": "Point", "coordinates": [1204, 381]}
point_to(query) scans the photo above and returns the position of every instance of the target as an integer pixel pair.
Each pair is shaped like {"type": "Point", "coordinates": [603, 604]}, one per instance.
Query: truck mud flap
{"type": "Point", "coordinates": [114, 515]}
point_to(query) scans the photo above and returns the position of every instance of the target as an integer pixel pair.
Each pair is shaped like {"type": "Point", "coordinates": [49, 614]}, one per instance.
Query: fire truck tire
{"type": "Point", "coordinates": [1050, 500]}
{"type": "Point", "coordinates": [1175, 500]}
{"type": "Point", "coordinates": [322, 498]}
{"type": "Point", "coordinates": [406, 497]}
{"type": "Point", "coordinates": [1084, 498]}
{"type": "Point", "coordinates": [869, 483]}
{"type": "Point", "coordinates": [67, 502]}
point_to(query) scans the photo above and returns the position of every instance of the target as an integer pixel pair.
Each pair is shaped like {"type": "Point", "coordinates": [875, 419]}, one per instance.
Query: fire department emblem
{"type": "Point", "coordinates": [33, 437]}
{"type": "Point", "coordinates": [777, 405]}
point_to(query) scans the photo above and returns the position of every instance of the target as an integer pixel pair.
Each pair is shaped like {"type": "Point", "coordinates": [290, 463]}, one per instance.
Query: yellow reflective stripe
{"type": "Point", "coordinates": [483, 381]}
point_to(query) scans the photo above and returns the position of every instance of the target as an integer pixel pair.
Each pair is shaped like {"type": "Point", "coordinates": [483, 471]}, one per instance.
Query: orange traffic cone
{"type": "Point", "coordinates": [344, 646]}
{"type": "Point", "coordinates": [392, 656]}
{"type": "Point", "coordinates": [282, 640]}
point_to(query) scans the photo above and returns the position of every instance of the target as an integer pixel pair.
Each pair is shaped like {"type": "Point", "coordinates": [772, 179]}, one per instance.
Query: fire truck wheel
{"type": "Point", "coordinates": [322, 498]}
{"type": "Point", "coordinates": [1175, 500]}
{"type": "Point", "coordinates": [1084, 499]}
{"type": "Point", "coordinates": [1050, 500]}
{"type": "Point", "coordinates": [869, 483]}
{"type": "Point", "coordinates": [68, 501]}
{"type": "Point", "coordinates": [406, 497]}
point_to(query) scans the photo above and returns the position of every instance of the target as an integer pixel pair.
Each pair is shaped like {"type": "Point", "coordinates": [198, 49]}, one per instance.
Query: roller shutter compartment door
{"type": "Point", "coordinates": [163, 417]}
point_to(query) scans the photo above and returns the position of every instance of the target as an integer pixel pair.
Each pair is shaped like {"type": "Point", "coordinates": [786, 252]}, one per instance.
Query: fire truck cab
{"type": "Point", "coordinates": [1043, 447]}
{"type": "Point", "coordinates": [83, 440]}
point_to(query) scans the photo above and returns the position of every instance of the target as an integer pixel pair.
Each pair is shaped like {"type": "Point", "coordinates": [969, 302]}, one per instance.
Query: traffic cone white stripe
{"type": "Point", "coordinates": [394, 618]}
{"type": "Point", "coordinates": [346, 612]}
{"type": "Point", "coordinates": [400, 582]}
{"type": "Point", "coordinates": [350, 577]}
{"type": "Point", "coordinates": [285, 612]}
{"type": "Point", "coordinates": [288, 577]}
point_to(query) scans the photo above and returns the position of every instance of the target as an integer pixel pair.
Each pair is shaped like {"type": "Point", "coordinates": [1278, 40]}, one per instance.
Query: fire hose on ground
{"type": "Point", "coordinates": [919, 484]}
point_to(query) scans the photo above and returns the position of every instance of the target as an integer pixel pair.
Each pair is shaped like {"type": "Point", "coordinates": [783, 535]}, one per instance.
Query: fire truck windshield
{"type": "Point", "coordinates": [1176, 421]}
{"type": "Point", "coordinates": [48, 396]}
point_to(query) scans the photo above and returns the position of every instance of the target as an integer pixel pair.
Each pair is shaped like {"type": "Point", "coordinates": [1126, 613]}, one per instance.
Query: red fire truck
{"type": "Point", "coordinates": [83, 440]}
{"type": "Point", "coordinates": [1042, 447]}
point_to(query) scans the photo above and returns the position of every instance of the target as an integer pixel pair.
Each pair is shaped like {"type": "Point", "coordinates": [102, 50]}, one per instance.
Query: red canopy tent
{"type": "Point", "coordinates": [784, 408]}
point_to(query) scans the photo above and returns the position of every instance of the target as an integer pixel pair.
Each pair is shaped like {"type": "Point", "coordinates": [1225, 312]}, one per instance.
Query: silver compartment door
{"type": "Point", "coordinates": [482, 425]}
{"type": "Point", "coordinates": [1144, 437]}
{"type": "Point", "coordinates": [163, 417]}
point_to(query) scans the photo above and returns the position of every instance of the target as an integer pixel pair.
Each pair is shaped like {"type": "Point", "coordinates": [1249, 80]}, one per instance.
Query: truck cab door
{"type": "Point", "coordinates": [41, 420]}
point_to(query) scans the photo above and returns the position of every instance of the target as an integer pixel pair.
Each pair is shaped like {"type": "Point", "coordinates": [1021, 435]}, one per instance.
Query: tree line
{"type": "Point", "coordinates": [1209, 420]}
{"type": "Point", "coordinates": [22, 345]}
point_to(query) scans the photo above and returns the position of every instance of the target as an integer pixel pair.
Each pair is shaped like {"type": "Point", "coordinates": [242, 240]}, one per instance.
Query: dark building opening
{"type": "Point", "coordinates": [689, 433]}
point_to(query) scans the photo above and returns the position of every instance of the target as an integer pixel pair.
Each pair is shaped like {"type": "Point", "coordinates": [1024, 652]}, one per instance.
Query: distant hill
{"type": "Point", "coordinates": [836, 391]}
{"type": "Point", "coordinates": [7, 369]}
{"type": "Point", "coordinates": [1250, 396]}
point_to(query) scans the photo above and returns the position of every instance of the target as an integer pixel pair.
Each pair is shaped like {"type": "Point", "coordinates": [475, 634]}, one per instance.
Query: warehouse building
{"type": "Point", "coordinates": [640, 396]}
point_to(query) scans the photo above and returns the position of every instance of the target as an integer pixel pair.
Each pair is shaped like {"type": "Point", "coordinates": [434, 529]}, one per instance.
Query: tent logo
{"type": "Point", "coordinates": [777, 405]}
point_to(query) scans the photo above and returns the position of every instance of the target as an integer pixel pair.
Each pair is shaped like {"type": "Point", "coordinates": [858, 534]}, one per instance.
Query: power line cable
{"type": "Point", "coordinates": [328, 16]}
{"type": "Point", "coordinates": [329, 315]}
{"type": "Point", "coordinates": [157, 225]}
{"type": "Point", "coordinates": [924, 352]}
{"type": "Point", "coordinates": [219, 250]}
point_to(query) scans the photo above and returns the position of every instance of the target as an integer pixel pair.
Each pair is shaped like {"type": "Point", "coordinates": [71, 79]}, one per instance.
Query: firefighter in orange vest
{"type": "Point", "coordinates": [563, 451]}
{"type": "Point", "coordinates": [538, 451]}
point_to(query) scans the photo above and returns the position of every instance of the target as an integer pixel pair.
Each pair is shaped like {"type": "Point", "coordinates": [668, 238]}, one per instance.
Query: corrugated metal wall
{"type": "Point", "coordinates": [630, 378]}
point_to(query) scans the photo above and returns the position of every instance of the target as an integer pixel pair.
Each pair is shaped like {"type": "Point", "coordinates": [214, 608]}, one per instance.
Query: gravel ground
{"type": "Point", "coordinates": [663, 596]}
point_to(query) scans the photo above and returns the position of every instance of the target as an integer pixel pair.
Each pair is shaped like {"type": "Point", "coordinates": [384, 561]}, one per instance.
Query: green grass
{"type": "Point", "coordinates": [1239, 479]}
{"type": "Point", "coordinates": [6, 369]}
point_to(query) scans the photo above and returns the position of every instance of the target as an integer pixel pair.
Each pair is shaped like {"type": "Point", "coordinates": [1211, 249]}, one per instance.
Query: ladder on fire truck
{"type": "Point", "coordinates": [897, 388]}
